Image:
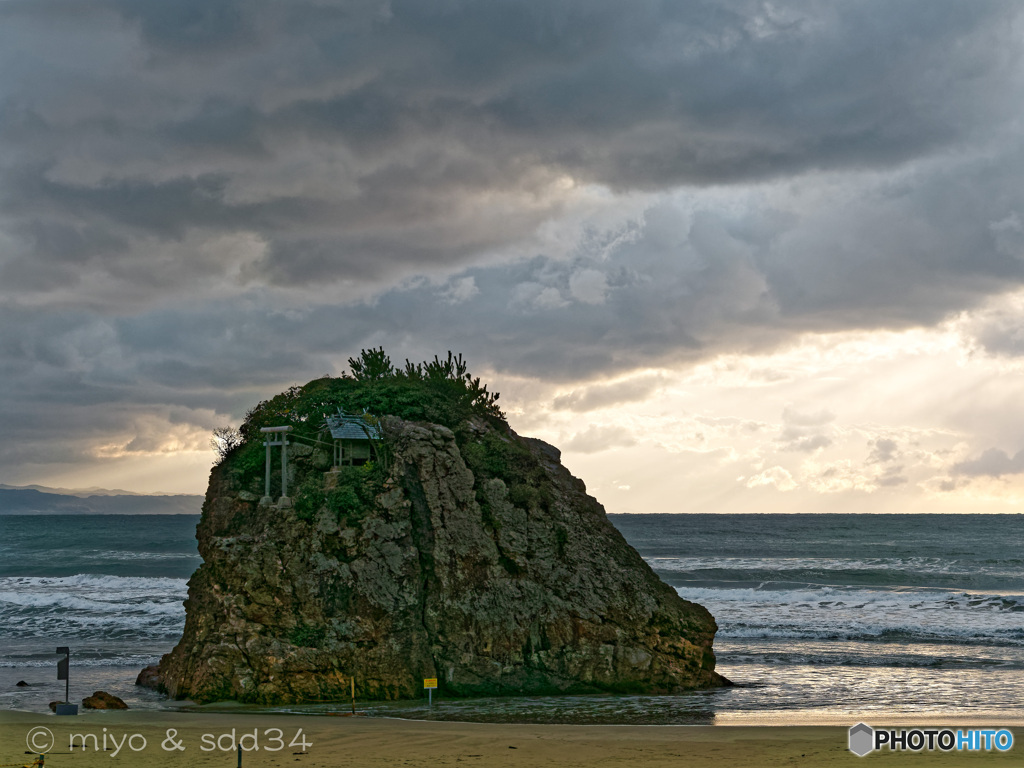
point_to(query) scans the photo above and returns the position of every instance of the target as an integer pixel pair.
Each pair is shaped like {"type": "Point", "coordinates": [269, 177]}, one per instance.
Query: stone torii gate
{"type": "Point", "coordinates": [277, 436]}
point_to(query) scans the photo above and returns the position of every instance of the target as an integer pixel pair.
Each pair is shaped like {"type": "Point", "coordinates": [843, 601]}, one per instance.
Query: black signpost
{"type": "Point", "coordinates": [67, 708]}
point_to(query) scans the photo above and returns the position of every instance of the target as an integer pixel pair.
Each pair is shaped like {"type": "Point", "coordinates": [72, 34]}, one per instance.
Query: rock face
{"type": "Point", "coordinates": [149, 677]}
{"type": "Point", "coordinates": [492, 589]}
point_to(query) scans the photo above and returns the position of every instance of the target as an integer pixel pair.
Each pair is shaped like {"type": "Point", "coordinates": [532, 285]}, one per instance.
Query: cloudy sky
{"type": "Point", "coordinates": [728, 255]}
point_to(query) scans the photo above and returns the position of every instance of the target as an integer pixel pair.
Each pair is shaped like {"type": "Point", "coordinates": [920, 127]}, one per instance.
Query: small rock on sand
{"type": "Point", "coordinates": [103, 700]}
{"type": "Point", "coordinates": [150, 678]}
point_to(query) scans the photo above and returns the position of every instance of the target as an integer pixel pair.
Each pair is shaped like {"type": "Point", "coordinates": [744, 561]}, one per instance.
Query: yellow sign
{"type": "Point", "coordinates": [430, 682]}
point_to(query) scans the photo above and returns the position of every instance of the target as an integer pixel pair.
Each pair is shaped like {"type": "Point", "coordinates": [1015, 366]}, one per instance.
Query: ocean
{"type": "Point", "coordinates": [821, 617]}
{"type": "Point", "coordinates": [110, 587]}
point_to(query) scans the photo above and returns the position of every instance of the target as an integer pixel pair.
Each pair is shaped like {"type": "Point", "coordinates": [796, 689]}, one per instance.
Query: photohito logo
{"type": "Point", "coordinates": [863, 739]}
{"type": "Point", "coordinates": [39, 739]}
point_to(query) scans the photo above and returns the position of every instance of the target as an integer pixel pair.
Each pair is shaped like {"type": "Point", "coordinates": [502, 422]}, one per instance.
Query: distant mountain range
{"type": "Point", "coordinates": [40, 500]}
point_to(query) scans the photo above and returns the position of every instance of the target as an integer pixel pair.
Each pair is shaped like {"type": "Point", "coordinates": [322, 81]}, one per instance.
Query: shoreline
{"type": "Point", "coordinates": [597, 711]}
{"type": "Point", "coordinates": [767, 719]}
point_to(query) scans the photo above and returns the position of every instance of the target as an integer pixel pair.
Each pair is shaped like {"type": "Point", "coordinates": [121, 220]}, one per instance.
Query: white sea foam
{"type": "Point", "coordinates": [135, 660]}
{"type": "Point", "coordinates": [95, 581]}
{"type": "Point", "coordinates": [122, 554]}
{"type": "Point", "coordinates": [114, 607]}
{"type": "Point", "coordinates": [118, 586]}
{"type": "Point", "coordinates": [850, 613]}
{"type": "Point", "coordinates": [921, 565]}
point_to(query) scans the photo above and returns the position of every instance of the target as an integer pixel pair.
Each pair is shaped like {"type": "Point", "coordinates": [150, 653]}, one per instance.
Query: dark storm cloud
{"type": "Point", "coordinates": [677, 284]}
{"type": "Point", "coordinates": [77, 385]}
{"type": "Point", "coordinates": [202, 202]}
{"type": "Point", "coordinates": [686, 284]}
{"type": "Point", "coordinates": [215, 116]}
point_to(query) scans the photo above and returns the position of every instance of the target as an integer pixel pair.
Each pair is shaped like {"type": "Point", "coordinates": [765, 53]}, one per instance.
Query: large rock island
{"type": "Point", "coordinates": [462, 551]}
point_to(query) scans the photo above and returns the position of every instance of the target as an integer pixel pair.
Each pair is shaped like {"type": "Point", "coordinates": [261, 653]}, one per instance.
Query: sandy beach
{"type": "Point", "coordinates": [346, 741]}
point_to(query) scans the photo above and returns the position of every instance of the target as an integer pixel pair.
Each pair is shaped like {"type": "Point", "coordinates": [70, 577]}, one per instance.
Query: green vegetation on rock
{"type": "Point", "coordinates": [438, 391]}
{"type": "Point", "coordinates": [350, 499]}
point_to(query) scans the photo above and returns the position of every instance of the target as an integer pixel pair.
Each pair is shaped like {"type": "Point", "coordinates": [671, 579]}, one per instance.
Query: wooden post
{"type": "Point", "coordinates": [353, 695]}
{"type": "Point", "coordinates": [284, 464]}
{"type": "Point", "coordinates": [277, 436]}
{"type": "Point", "coordinates": [266, 491]}
{"type": "Point", "coordinates": [63, 672]}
